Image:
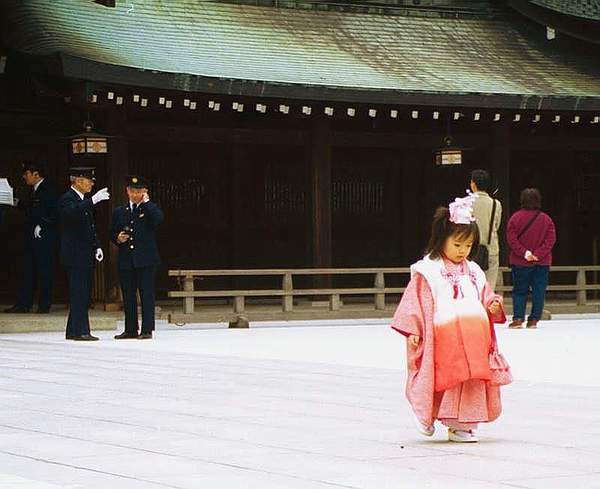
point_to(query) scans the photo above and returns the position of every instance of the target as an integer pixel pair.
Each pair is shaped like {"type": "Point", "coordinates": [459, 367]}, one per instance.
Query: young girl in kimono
{"type": "Point", "coordinates": [446, 314]}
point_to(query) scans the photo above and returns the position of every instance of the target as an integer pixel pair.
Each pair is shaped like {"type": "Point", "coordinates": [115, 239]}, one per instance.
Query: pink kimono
{"type": "Point", "coordinates": [446, 305]}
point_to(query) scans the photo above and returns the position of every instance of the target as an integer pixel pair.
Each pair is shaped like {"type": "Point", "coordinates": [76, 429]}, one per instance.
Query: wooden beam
{"type": "Point", "coordinates": [404, 140]}
{"type": "Point", "coordinates": [554, 143]}
{"type": "Point", "coordinates": [206, 135]}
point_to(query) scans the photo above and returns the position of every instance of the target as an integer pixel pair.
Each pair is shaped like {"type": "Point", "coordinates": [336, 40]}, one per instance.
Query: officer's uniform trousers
{"type": "Point", "coordinates": [134, 280]}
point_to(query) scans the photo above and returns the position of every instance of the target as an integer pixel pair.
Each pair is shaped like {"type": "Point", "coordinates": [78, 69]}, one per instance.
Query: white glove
{"type": "Point", "coordinates": [15, 202]}
{"type": "Point", "coordinates": [37, 232]}
{"type": "Point", "coordinates": [145, 198]}
{"type": "Point", "coordinates": [99, 255]}
{"type": "Point", "coordinates": [101, 195]}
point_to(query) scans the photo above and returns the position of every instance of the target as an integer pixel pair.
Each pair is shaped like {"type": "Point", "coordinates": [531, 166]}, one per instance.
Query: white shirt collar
{"type": "Point", "coordinates": [78, 193]}
{"type": "Point", "coordinates": [35, 187]}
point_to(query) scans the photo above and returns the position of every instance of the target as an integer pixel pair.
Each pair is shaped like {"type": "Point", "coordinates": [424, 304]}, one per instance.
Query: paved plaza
{"type": "Point", "coordinates": [285, 406]}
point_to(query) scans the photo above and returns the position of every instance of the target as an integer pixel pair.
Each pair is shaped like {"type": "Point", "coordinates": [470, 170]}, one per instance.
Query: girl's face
{"type": "Point", "coordinates": [457, 248]}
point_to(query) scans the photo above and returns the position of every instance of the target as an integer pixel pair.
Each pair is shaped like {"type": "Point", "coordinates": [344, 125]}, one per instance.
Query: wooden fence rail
{"type": "Point", "coordinates": [287, 292]}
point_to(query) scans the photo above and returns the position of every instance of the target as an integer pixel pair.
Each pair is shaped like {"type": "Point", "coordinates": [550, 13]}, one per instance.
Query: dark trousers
{"type": "Point", "coordinates": [534, 278]}
{"type": "Point", "coordinates": [80, 288]}
{"type": "Point", "coordinates": [38, 265]}
{"type": "Point", "coordinates": [132, 280]}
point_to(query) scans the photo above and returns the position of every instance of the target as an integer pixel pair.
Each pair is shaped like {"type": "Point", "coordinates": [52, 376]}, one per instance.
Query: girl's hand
{"type": "Point", "coordinates": [494, 307]}
{"type": "Point", "coordinates": [413, 340]}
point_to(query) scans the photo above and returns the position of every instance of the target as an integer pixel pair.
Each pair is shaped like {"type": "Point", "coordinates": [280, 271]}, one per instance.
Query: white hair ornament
{"type": "Point", "coordinates": [461, 210]}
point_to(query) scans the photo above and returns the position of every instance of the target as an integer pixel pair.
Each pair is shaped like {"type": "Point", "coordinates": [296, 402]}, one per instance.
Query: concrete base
{"type": "Point", "coordinates": [210, 313]}
{"type": "Point", "coordinates": [56, 321]}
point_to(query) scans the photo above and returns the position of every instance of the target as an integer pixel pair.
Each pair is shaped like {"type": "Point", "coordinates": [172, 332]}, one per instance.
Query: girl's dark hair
{"type": "Point", "coordinates": [442, 228]}
{"type": "Point", "coordinates": [531, 198]}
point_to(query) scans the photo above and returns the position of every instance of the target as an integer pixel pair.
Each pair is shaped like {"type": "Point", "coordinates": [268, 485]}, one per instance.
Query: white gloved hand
{"type": "Point", "coordinates": [37, 231]}
{"type": "Point", "coordinates": [99, 255]}
{"type": "Point", "coordinates": [145, 198]}
{"type": "Point", "coordinates": [101, 195]}
{"type": "Point", "coordinates": [15, 201]}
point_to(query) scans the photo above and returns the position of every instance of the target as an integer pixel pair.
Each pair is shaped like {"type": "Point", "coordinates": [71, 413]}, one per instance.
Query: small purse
{"type": "Point", "coordinates": [499, 367]}
{"type": "Point", "coordinates": [501, 374]}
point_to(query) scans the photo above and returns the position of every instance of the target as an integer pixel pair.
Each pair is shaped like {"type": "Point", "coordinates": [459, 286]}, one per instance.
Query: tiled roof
{"type": "Point", "coordinates": [588, 9]}
{"type": "Point", "coordinates": [306, 50]}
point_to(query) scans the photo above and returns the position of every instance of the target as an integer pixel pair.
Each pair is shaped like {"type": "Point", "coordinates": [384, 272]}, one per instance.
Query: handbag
{"type": "Point", "coordinates": [483, 254]}
{"type": "Point", "coordinates": [499, 367]}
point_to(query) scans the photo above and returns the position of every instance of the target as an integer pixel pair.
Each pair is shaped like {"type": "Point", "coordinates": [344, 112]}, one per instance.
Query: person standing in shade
{"type": "Point", "coordinates": [531, 235]}
{"type": "Point", "coordinates": [133, 230]}
{"type": "Point", "coordinates": [488, 216]}
{"type": "Point", "coordinates": [80, 248]}
{"type": "Point", "coordinates": [41, 234]}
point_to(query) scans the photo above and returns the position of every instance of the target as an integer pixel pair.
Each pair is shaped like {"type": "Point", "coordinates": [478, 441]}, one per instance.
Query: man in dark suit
{"type": "Point", "coordinates": [41, 234]}
{"type": "Point", "coordinates": [133, 230]}
{"type": "Point", "coordinates": [79, 248]}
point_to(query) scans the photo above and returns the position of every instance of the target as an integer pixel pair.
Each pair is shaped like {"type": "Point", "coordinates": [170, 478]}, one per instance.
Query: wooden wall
{"type": "Point", "coordinates": [238, 190]}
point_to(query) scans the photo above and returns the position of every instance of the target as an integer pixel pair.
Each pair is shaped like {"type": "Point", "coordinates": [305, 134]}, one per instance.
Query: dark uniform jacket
{"type": "Point", "coordinates": [141, 249]}
{"type": "Point", "coordinates": [79, 241]}
{"type": "Point", "coordinates": [42, 210]}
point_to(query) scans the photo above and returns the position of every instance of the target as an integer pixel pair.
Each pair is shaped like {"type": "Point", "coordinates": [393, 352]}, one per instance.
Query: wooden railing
{"type": "Point", "coordinates": [287, 292]}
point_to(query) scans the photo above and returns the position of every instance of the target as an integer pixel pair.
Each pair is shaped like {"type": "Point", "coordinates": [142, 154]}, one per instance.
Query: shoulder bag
{"type": "Point", "coordinates": [483, 253]}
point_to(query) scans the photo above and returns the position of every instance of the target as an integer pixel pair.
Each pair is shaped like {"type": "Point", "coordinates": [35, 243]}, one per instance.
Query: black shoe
{"type": "Point", "coordinates": [17, 310]}
{"type": "Point", "coordinates": [145, 336]}
{"type": "Point", "coordinates": [126, 336]}
{"type": "Point", "coordinates": [43, 310]}
{"type": "Point", "coordinates": [84, 337]}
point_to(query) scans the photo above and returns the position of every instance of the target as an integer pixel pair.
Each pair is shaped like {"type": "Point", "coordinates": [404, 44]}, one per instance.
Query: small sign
{"type": "Point", "coordinates": [448, 156]}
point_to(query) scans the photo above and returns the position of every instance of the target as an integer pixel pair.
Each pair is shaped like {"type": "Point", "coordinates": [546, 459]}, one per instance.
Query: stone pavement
{"type": "Point", "coordinates": [309, 405]}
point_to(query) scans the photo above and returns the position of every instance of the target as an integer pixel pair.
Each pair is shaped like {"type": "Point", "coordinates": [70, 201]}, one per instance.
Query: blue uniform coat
{"type": "Point", "coordinates": [141, 250]}
{"type": "Point", "coordinates": [79, 241]}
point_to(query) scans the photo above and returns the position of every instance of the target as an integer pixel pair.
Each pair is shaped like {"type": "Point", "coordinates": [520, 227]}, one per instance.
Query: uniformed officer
{"type": "Point", "coordinates": [79, 247]}
{"type": "Point", "coordinates": [133, 230]}
{"type": "Point", "coordinates": [41, 234]}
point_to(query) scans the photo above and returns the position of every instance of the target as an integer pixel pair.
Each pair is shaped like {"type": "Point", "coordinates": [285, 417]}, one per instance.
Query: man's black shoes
{"type": "Point", "coordinates": [126, 336]}
{"type": "Point", "coordinates": [83, 337]}
{"type": "Point", "coordinates": [17, 310]}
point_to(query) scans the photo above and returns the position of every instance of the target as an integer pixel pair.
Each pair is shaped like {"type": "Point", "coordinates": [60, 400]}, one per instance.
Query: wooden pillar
{"type": "Point", "coordinates": [238, 185]}
{"type": "Point", "coordinates": [500, 149]}
{"type": "Point", "coordinates": [412, 197]}
{"type": "Point", "coordinates": [320, 155]}
{"type": "Point", "coordinates": [117, 170]}
{"type": "Point", "coordinates": [500, 167]}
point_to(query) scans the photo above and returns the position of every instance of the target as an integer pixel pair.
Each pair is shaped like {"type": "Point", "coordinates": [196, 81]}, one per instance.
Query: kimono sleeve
{"type": "Point", "coordinates": [487, 297]}
{"type": "Point", "coordinates": [415, 308]}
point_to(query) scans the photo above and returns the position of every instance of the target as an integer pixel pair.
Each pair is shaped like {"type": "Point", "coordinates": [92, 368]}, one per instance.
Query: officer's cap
{"type": "Point", "coordinates": [135, 181]}
{"type": "Point", "coordinates": [83, 171]}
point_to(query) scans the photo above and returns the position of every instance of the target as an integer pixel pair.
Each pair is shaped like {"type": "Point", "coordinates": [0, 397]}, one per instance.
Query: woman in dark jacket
{"type": "Point", "coordinates": [531, 235]}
